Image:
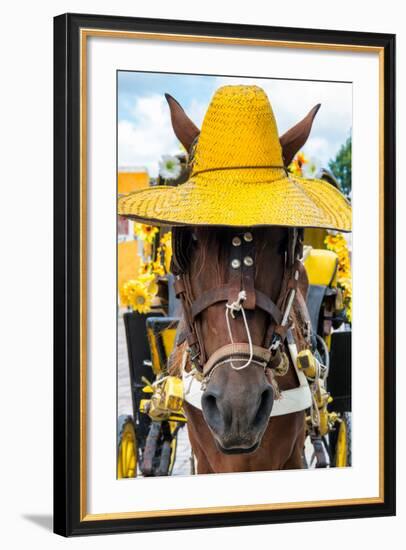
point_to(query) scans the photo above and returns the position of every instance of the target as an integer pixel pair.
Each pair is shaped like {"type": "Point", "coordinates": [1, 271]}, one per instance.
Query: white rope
{"type": "Point", "coordinates": [233, 308]}
{"type": "Point", "coordinates": [262, 364]}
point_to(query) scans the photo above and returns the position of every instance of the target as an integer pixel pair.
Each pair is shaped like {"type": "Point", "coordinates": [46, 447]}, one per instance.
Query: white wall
{"type": "Point", "coordinates": [26, 268]}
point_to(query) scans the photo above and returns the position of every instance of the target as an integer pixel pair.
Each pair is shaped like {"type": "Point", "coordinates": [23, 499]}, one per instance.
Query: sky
{"type": "Point", "coordinates": [144, 126]}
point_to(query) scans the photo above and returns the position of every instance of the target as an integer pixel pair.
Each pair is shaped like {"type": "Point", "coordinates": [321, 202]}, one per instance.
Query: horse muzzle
{"type": "Point", "coordinates": [237, 404]}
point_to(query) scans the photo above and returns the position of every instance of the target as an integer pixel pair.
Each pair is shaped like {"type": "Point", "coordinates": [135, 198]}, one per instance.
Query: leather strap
{"type": "Point", "coordinates": [209, 298]}
{"type": "Point", "coordinates": [265, 303]}
{"type": "Point", "coordinates": [241, 276]}
{"type": "Point", "coordinates": [183, 292]}
{"type": "Point", "coordinates": [235, 350]}
{"type": "Point", "coordinates": [234, 272]}
{"type": "Point", "coordinates": [179, 286]}
{"type": "Point", "coordinates": [248, 272]}
{"type": "Point", "coordinates": [221, 294]}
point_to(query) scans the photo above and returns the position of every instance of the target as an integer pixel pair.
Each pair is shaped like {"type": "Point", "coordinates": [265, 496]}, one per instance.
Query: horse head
{"type": "Point", "coordinates": [234, 286]}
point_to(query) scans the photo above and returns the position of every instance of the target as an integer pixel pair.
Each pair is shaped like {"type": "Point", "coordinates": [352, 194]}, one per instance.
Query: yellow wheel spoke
{"type": "Point", "coordinates": [341, 452]}
{"type": "Point", "coordinates": [127, 453]}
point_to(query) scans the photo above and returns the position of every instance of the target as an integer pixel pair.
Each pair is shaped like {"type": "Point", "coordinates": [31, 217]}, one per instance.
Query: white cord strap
{"type": "Point", "coordinates": [232, 309]}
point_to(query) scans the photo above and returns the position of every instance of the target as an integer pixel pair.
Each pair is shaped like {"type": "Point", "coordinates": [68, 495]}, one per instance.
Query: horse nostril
{"type": "Point", "coordinates": [265, 407]}
{"type": "Point", "coordinates": [211, 410]}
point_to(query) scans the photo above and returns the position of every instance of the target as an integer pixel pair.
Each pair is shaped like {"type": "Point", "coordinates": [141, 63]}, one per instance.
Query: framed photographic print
{"type": "Point", "coordinates": [224, 274]}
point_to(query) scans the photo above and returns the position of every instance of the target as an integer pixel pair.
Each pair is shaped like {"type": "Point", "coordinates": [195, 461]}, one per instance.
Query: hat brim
{"type": "Point", "coordinates": [218, 199]}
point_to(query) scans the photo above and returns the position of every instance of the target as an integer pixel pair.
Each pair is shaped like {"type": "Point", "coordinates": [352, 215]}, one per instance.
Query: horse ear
{"type": "Point", "coordinates": [294, 139]}
{"type": "Point", "coordinates": [185, 130]}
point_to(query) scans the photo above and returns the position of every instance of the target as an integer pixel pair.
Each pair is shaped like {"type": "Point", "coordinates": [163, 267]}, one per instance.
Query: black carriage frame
{"type": "Point", "coordinates": [68, 517]}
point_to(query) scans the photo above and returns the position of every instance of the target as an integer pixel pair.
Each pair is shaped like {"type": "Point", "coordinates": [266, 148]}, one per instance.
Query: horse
{"type": "Point", "coordinates": [233, 429]}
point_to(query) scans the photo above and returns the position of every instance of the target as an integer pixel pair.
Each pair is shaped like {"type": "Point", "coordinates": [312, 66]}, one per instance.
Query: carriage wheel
{"type": "Point", "coordinates": [126, 448]}
{"type": "Point", "coordinates": [343, 446]}
{"type": "Point", "coordinates": [159, 453]}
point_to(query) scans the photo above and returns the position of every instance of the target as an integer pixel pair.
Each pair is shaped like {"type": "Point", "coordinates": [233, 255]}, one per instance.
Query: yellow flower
{"type": "Point", "coordinates": [149, 281]}
{"type": "Point", "coordinates": [301, 159]}
{"type": "Point", "coordinates": [166, 239]}
{"type": "Point", "coordinates": [146, 279]}
{"type": "Point", "coordinates": [158, 269]}
{"type": "Point", "coordinates": [166, 246]}
{"type": "Point", "coordinates": [153, 288]}
{"type": "Point", "coordinates": [147, 276]}
{"type": "Point", "coordinates": [145, 273]}
{"type": "Point", "coordinates": [338, 244]}
{"type": "Point", "coordinates": [141, 300]}
{"type": "Point", "coordinates": [145, 268]}
{"type": "Point", "coordinates": [145, 232]}
{"type": "Point", "coordinates": [124, 298]}
{"type": "Point", "coordinates": [135, 294]}
{"type": "Point", "coordinates": [296, 166]}
{"type": "Point", "coordinates": [331, 241]}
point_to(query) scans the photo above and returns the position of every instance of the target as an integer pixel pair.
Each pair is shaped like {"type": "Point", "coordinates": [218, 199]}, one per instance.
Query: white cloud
{"type": "Point", "coordinates": [143, 141]}
{"type": "Point", "coordinates": [292, 99]}
{"type": "Point", "coordinates": [196, 111]}
{"type": "Point", "coordinates": [148, 135]}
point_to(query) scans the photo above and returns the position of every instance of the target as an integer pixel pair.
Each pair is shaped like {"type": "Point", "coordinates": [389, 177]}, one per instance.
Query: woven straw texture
{"type": "Point", "coordinates": [236, 179]}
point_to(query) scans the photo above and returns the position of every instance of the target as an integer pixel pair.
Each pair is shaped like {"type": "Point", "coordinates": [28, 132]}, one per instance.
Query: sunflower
{"type": "Point", "coordinates": [135, 294]}
{"type": "Point", "coordinates": [141, 300]}
{"type": "Point", "coordinates": [145, 270]}
{"type": "Point", "coordinates": [145, 232]}
{"type": "Point", "coordinates": [124, 297]}
{"type": "Point", "coordinates": [296, 166]}
{"type": "Point", "coordinates": [158, 268]}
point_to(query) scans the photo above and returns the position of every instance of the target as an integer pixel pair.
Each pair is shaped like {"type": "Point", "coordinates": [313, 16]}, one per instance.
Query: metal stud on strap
{"type": "Point", "coordinates": [236, 241]}
{"type": "Point", "coordinates": [248, 238]}
{"type": "Point", "coordinates": [248, 261]}
{"type": "Point", "coordinates": [235, 264]}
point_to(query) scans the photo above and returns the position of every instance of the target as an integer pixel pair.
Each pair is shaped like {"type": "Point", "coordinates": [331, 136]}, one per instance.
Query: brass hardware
{"type": "Point", "coordinates": [307, 363]}
{"type": "Point", "coordinates": [166, 400]}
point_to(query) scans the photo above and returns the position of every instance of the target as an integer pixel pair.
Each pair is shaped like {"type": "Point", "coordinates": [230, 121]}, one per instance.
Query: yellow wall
{"type": "Point", "coordinates": [131, 181]}
{"type": "Point", "coordinates": [128, 262]}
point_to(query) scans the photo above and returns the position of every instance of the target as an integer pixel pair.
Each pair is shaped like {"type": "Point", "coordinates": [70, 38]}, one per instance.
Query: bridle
{"type": "Point", "coordinates": [239, 295]}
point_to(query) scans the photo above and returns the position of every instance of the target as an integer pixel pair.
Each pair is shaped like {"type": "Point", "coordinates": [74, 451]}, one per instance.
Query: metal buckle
{"type": "Point", "coordinates": [193, 354]}
{"type": "Point", "coordinates": [276, 342]}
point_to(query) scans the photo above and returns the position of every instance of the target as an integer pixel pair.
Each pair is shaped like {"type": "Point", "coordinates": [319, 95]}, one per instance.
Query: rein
{"type": "Point", "coordinates": [239, 295]}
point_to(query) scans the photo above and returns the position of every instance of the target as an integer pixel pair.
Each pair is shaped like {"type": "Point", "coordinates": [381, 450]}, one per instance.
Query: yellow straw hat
{"type": "Point", "coordinates": [238, 177]}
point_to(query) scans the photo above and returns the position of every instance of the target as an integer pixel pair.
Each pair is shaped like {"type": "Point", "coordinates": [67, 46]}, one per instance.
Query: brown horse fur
{"type": "Point", "coordinates": [280, 444]}
{"type": "Point", "coordinates": [283, 439]}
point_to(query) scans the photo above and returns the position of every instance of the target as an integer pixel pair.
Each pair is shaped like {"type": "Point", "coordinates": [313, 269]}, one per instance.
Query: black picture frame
{"type": "Point", "coordinates": [68, 519]}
